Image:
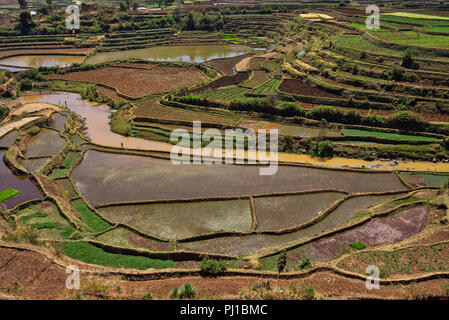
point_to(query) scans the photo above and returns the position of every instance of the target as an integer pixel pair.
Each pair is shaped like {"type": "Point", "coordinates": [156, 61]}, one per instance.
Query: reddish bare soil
{"type": "Point", "coordinates": [376, 232]}
{"type": "Point", "coordinates": [294, 86]}
{"type": "Point", "coordinates": [139, 82]}
{"type": "Point", "coordinates": [29, 275]}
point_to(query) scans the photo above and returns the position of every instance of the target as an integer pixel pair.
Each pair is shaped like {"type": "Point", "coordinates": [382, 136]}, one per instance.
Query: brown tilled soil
{"type": "Point", "coordinates": [431, 236]}
{"type": "Point", "coordinates": [226, 65]}
{"type": "Point", "coordinates": [139, 82]}
{"type": "Point", "coordinates": [29, 275]}
{"type": "Point", "coordinates": [225, 81]}
{"type": "Point", "coordinates": [110, 93]}
{"type": "Point", "coordinates": [294, 86]}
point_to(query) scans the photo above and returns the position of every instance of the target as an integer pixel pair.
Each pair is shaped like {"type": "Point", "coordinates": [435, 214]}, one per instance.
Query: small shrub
{"type": "Point", "coordinates": [174, 294]}
{"type": "Point", "coordinates": [282, 261]}
{"type": "Point", "coordinates": [358, 245]}
{"type": "Point", "coordinates": [187, 291]}
{"type": "Point", "coordinates": [305, 263]}
{"type": "Point", "coordinates": [212, 266]}
{"type": "Point", "coordinates": [148, 296]}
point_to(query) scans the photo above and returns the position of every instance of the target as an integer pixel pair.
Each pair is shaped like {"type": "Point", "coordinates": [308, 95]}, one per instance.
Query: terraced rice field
{"type": "Point", "coordinates": [298, 87]}
{"type": "Point", "coordinates": [259, 77]}
{"type": "Point", "coordinates": [145, 178]}
{"type": "Point", "coordinates": [379, 231]}
{"type": "Point", "coordinates": [46, 218]}
{"type": "Point", "coordinates": [28, 191]}
{"type": "Point", "coordinates": [356, 132]}
{"type": "Point", "coordinates": [182, 220]}
{"type": "Point", "coordinates": [45, 144]}
{"type": "Point", "coordinates": [245, 245]}
{"type": "Point", "coordinates": [414, 38]}
{"type": "Point", "coordinates": [275, 213]}
{"type": "Point", "coordinates": [139, 82]}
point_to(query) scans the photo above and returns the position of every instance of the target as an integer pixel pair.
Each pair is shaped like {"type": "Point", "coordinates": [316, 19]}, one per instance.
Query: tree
{"type": "Point", "coordinates": [191, 24]}
{"type": "Point", "coordinates": [282, 261]}
{"type": "Point", "coordinates": [26, 22]}
{"type": "Point", "coordinates": [23, 4]}
{"type": "Point", "coordinates": [124, 6]}
{"type": "Point", "coordinates": [408, 61]}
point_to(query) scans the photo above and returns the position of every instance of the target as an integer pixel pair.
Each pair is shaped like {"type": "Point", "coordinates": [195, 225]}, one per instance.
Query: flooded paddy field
{"type": "Point", "coordinates": [282, 212]}
{"type": "Point", "coordinates": [8, 139]}
{"type": "Point", "coordinates": [35, 165]}
{"type": "Point", "coordinates": [195, 54]}
{"type": "Point", "coordinates": [182, 220]}
{"type": "Point", "coordinates": [60, 120]}
{"type": "Point", "coordinates": [28, 191]}
{"type": "Point", "coordinates": [35, 61]}
{"type": "Point", "coordinates": [146, 178]}
{"type": "Point", "coordinates": [45, 144]}
{"type": "Point", "coordinates": [246, 245]}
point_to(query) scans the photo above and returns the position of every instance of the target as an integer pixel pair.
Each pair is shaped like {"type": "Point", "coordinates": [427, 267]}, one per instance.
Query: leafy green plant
{"type": "Point", "coordinates": [148, 296]}
{"type": "Point", "coordinates": [358, 245]}
{"type": "Point", "coordinates": [187, 291]}
{"type": "Point", "coordinates": [305, 263]}
{"type": "Point", "coordinates": [212, 266]}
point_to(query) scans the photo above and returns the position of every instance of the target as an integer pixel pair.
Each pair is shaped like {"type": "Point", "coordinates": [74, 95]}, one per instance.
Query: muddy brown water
{"type": "Point", "coordinates": [22, 183]}
{"type": "Point", "coordinates": [35, 61]}
{"type": "Point", "coordinates": [195, 54]}
{"type": "Point", "coordinates": [97, 119]}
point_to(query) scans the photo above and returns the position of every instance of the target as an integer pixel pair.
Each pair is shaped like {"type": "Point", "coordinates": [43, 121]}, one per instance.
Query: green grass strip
{"type": "Point", "coordinates": [8, 193]}
{"type": "Point", "coordinates": [89, 253]}
{"type": "Point", "coordinates": [93, 221]}
{"type": "Point", "coordinates": [356, 132]}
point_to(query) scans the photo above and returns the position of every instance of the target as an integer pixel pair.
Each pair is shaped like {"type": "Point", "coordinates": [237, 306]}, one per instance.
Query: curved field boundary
{"type": "Point", "coordinates": [387, 44]}
{"type": "Point", "coordinates": [222, 198]}
{"type": "Point", "coordinates": [399, 279]}
{"type": "Point", "coordinates": [264, 253]}
{"type": "Point", "coordinates": [403, 181]}
{"type": "Point", "coordinates": [178, 255]}
{"type": "Point", "coordinates": [380, 140]}
{"type": "Point", "coordinates": [152, 274]}
{"type": "Point", "coordinates": [63, 205]}
{"type": "Point", "coordinates": [142, 120]}
{"type": "Point", "coordinates": [203, 69]}
{"type": "Point", "coordinates": [323, 214]}
{"type": "Point", "coordinates": [398, 131]}
{"type": "Point", "coordinates": [166, 156]}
